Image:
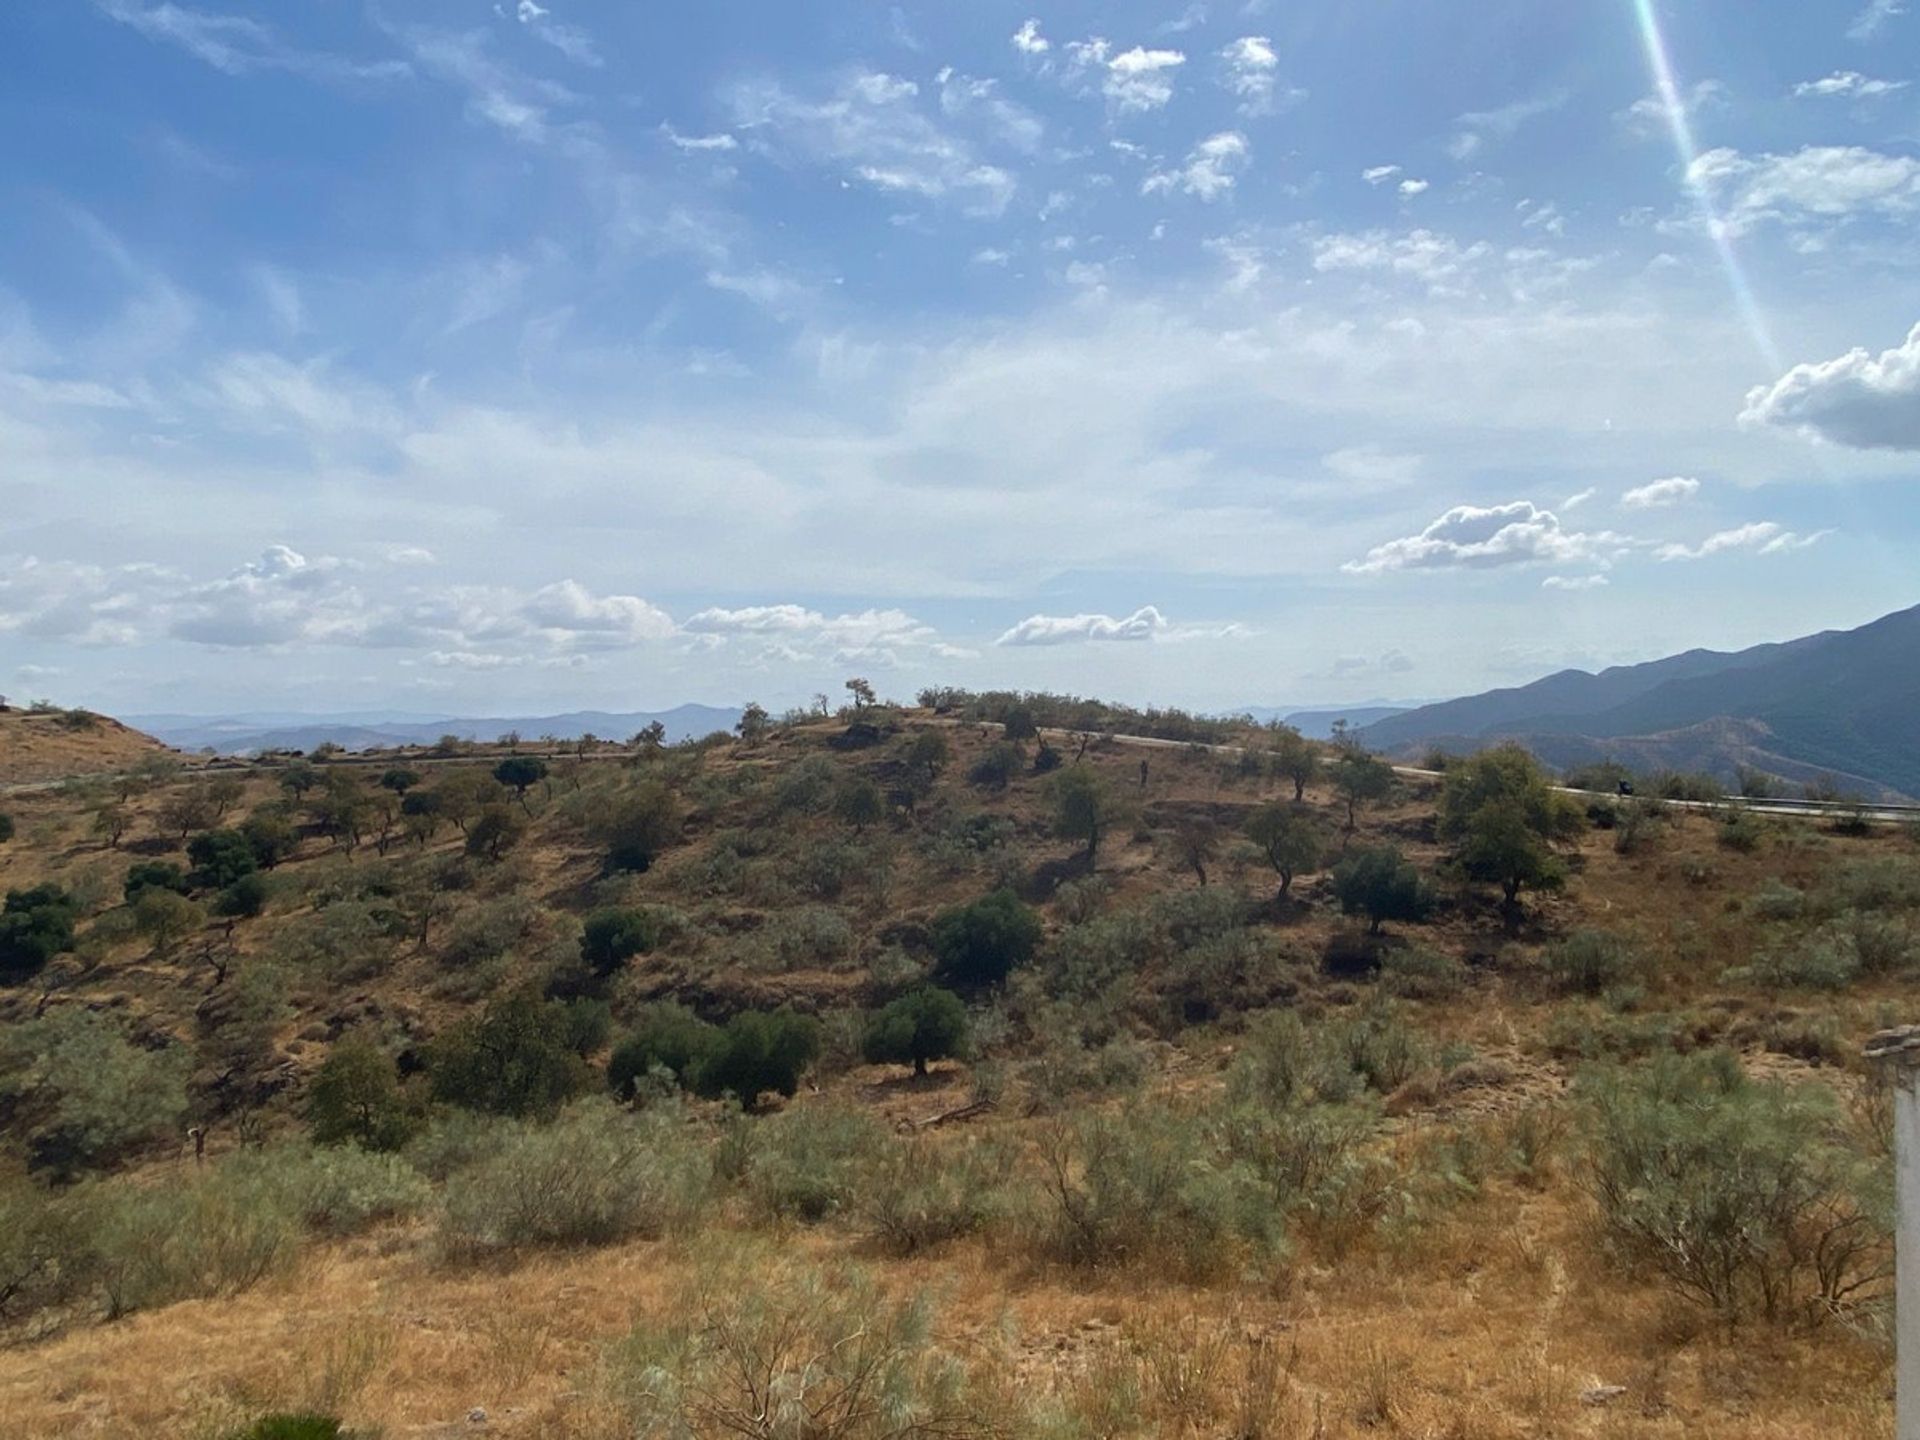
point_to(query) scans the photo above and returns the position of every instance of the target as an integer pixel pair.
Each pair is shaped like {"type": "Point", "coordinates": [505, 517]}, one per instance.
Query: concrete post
{"type": "Point", "coordinates": [1898, 1053]}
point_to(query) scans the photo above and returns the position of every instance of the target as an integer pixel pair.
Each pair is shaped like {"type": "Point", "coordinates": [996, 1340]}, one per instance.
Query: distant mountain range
{"type": "Point", "coordinates": [1841, 705]}
{"type": "Point", "coordinates": [247, 734]}
{"type": "Point", "coordinates": [1316, 721]}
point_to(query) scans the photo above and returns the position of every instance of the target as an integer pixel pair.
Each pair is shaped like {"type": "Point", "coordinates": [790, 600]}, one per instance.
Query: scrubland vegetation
{"type": "Point", "coordinates": [962, 1070]}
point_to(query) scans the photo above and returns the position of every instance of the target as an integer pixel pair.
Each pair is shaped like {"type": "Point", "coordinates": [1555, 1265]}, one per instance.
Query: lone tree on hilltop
{"type": "Point", "coordinates": [862, 694]}
{"type": "Point", "coordinates": [754, 723]}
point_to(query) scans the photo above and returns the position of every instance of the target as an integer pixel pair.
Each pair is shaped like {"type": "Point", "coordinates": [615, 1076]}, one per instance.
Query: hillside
{"type": "Point", "coordinates": [1844, 704]}
{"type": "Point", "coordinates": [43, 745]}
{"type": "Point", "coordinates": [1209, 1159]}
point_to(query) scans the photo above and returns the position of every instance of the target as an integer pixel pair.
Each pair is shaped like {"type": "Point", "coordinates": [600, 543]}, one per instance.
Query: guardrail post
{"type": "Point", "coordinates": [1897, 1052]}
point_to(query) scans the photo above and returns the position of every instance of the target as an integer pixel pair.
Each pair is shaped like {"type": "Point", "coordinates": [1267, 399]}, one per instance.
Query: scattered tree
{"type": "Point", "coordinates": [1295, 758]}
{"type": "Point", "coordinates": [1502, 816]}
{"type": "Point", "coordinates": [858, 802]}
{"type": "Point", "coordinates": [35, 925]}
{"type": "Point", "coordinates": [399, 780]}
{"type": "Point", "coordinates": [927, 1024]}
{"type": "Point", "coordinates": [1018, 723]}
{"type": "Point", "coordinates": [862, 694]}
{"type": "Point", "coordinates": [929, 753]}
{"type": "Point", "coordinates": [495, 831]}
{"type": "Point", "coordinates": [270, 835]}
{"type": "Point", "coordinates": [518, 772]}
{"type": "Point", "coordinates": [665, 1037]}
{"type": "Point", "coordinates": [612, 937]}
{"type": "Point", "coordinates": [111, 822]}
{"type": "Point", "coordinates": [144, 875]}
{"type": "Point", "coordinates": [754, 724]}
{"type": "Point", "coordinates": [977, 945]}
{"type": "Point", "coordinates": [1360, 778]}
{"type": "Point", "coordinates": [1380, 884]}
{"type": "Point", "coordinates": [636, 825]}
{"type": "Point", "coordinates": [997, 767]}
{"type": "Point", "coordinates": [298, 778]}
{"type": "Point", "coordinates": [1290, 839]}
{"type": "Point", "coordinates": [219, 858]}
{"type": "Point", "coordinates": [1195, 839]}
{"type": "Point", "coordinates": [166, 918]}
{"type": "Point", "coordinates": [511, 1059]}
{"type": "Point", "coordinates": [1084, 805]}
{"type": "Point", "coordinates": [758, 1052]}
{"type": "Point", "coordinates": [356, 1098]}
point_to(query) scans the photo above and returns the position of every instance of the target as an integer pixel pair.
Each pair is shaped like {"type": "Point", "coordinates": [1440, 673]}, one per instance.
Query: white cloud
{"type": "Point", "coordinates": [1372, 465]}
{"type": "Point", "coordinates": [1658, 494]}
{"type": "Point", "coordinates": [1029, 41]}
{"type": "Point", "coordinates": [570, 41]}
{"type": "Point", "coordinates": [1848, 84]}
{"type": "Point", "coordinates": [239, 45]}
{"type": "Point", "coordinates": [1477, 127]}
{"type": "Point", "coordinates": [795, 631]}
{"type": "Point", "coordinates": [1141, 79]}
{"type": "Point", "coordinates": [1144, 624]}
{"type": "Point", "coordinates": [1828, 182]}
{"type": "Point", "coordinates": [981, 102]}
{"type": "Point", "coordinates": [1481, 537]}
{"type": "Point", "coordinates": [1573, 502]}
{"type": "Point", "coordinates": [1252, 75]}
{"type": "Point", "coordinates": [1858, 399]}
{"type": "Point", "coordinates": [1379, 174]}
{"type": "Point", "coordinates": [1436, 260]}
{"type": "Point", "coordinates": [1763, 537]}
{"type": "Point", "coordinates": [720, 141]}
{"type": "Point", "coordinates": [1574, 582]}
{"type": "Point", "coordinates": [1874, 18]}
{"type": "Point", "coordinates": [1413, 187]}
{"type": "Point", "coordinates": [871, 130]}
{"type": "Point", "coordinates": [1649, 116]}
{"type": "Point", "coordinates": [1211, 169]}
{"type": "Point", "coordinates": [568, 610]}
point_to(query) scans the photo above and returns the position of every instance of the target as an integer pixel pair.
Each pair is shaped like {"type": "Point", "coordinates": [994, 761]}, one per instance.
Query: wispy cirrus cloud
{"type": "Point", "coordinates": [242, 45]}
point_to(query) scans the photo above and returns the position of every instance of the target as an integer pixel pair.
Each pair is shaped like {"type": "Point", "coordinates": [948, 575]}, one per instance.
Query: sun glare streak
{"type": "Point", "coordinates": [1675, 105]}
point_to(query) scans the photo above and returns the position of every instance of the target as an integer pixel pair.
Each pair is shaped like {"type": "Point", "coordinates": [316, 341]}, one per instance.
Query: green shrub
{"type": "Point", "coordinates": [1589, 962]}
{"type": "Point", "coordinates": [1142, 1188]}
{"type": "Point", "coordinates": [594, 1176]}
{"type": "Point", "coordinates": [1741, 831]}
{"type": "Point", "coordinates": [928, 1024]}
{"type": "Point", "coordinates": [44, 1260]}
{"type": "Point", "coordinates": [997, 766]}
{"type": "Point", "coordinates": [665, 1036]}
{"type": "Point", "coordinates": [356, 1097]}
{"type": "Point", "coordinates": [635, 825]}
{"type": "Point", "coordinates": [144, 875]}
{"type": "Point", "coordinates": [1822, 961]}
{"type": "Point", "coordinates": [923, 1194]}
{"type": "Point", "coordinates": [1416, 972]}
{"type": "Point", "coordinates": [82, 1094]}
{"type": "Point", "coordinates": [216, 1234]}
{"type": "Point", "coordinates": [812, 1162]}
{"type": "Point", "coordinates": [219, 858]}
{"type": "Point", "coordinates": [244, 899]}
{"type": "Point", "coordinates": [1777, 900]}
{"type": "Point", "coordinates": [611, 937]}
{"type": "Point", "coordinates": [35, 925]}
{"type": "Point", "coordinates": [756, 1052]}
{"type": "Point", "coordinates": [1739, 1194]}
{"type": "Point", "coordinates": [512, 1059]}
{"type": "Point", "coordinates": [1381, 885]}
{"type": "Point", "coordinates": [338, 1190]}
{"type": "Point", "coordinates": [979, 944]}
{"type": "Point", "coordinates": [846, 1362]}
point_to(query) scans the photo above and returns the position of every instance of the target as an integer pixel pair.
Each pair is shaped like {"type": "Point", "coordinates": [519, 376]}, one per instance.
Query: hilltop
{"type": "Point", "coordinates": [1205, 1157]}
{"type": "Point", "coordinates": [50, 744]}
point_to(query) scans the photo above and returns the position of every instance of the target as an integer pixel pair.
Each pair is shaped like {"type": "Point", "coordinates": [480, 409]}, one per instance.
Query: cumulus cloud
{"type": "Point", "coordinates": [871, 130]}
{"type": "Point", "coordinates": [720, 141]}
{"type": "Point", "coordinates": [797, 632]}
{"type": "Point", "coordinates": [1762, 537]}
{"type": "Point", "coordinates": [1574, 582]}
{"type": "Point", "coordinates": [1379, 174]}
{"type": "Point", "coordinates": [1413, 187]}
{"type": "Point", "coordinates": [568, 610]}
{"type": "Point", "coordinates": [1847, 84]}
{"type": "Point", "coordinates": [1029, 41]}
{"type": "Point", "coordinates": [1143, 624]}
{"type": "Point", "coordinates": [1866, 401]}
{"type": "Point", "coordinates": [1484, 537]}
{"type": "Point", "coordinates": [1211, 168]}
{"type": "Point", "coordinates": [1657, 494]}
{"type": "Point", "coordinates": [1142, 79]}
{"type": "Point", "coordinates": [1817, 182]}
{"type": "Point", "coordinates": [1251, 75]}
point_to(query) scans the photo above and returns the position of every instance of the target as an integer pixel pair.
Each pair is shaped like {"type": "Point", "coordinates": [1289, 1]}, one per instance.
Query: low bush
{"type": "Point", "coordinates": [925, 1193]}
{"type": "Point", "coordinates": [290, 1425]}
{"type": "Point", "coordinates": [511, 1059]}
{"type": "Point", "coordinates": [1821, 961]}
{"type": "Point", "coordinates": [1590, 962]}
{"type": "Point", "coordinates": [217, 1234]}
{"type": "Point", "coordinates": [812, 1162]}
{"type": "Point", "coordinates": [44, 1259]}
{"type": "Point", "coordinates": [666, 1037]}
{"type": "Point", "coordinates": [594, 1176]}
{"type": "Point", "coordinates": [335, 1190]}
{"type": "Point", "coordinates": [979, 944]}
{"type": "Point", "coordinates": [1141, 1187]}
{"type": "Point", "coordinates": [1741, 1195]}
{"type": "Point", "coordinates": [757, 1052]}
{"type": "Point", "coordinates": [356, 1097]}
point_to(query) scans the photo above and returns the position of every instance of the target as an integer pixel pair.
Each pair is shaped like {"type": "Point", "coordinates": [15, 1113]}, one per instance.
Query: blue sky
{"type": "Point", "coordinates": [467, 356]}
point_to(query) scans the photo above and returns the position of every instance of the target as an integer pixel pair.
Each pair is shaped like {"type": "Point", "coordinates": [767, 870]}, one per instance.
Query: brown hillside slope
{"type": "Point", "coordinates": [38, 745]}
{"type": "Point", "coordinates": [1143, 1233]}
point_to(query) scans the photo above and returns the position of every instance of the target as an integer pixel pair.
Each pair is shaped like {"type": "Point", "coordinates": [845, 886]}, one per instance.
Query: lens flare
{"type": "Point", "coordinates": [1668, 89]}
